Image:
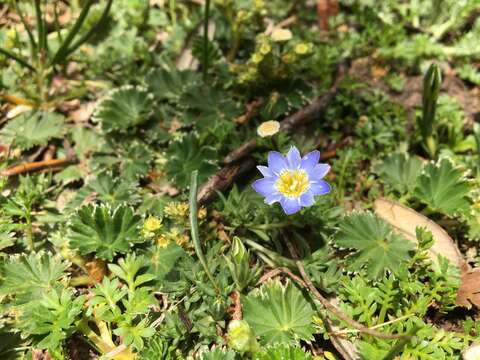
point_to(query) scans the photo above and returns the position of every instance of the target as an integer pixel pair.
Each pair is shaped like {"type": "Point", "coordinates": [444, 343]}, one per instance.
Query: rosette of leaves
{"type": "Point", "coordinates": [104, 231]}
{"type": "Point", "coordinates": [32, 129]}
{"type": "Point", "coordinates": [282, 352]}
{"type": "Point", "coordinates": [123, 109]}
{"type": "Point", "coordinates": [187, 155]}
{"type": "Point", "coordinates": [444, 188]}
{"type": "Point", "coordinates": [376, 247]}
{"type": "Point", "coordinates": [169, 84]}
{"type": "Point", "coordinates": [279, 313]}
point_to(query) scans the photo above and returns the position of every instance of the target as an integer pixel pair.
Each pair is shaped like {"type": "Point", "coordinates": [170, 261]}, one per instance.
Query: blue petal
{"type": "Point", "coordinates": [318, 172]}
{"type": "Point", "coordinates": [319, 187]}
{"type": "Point", "coordinates": [272, 198]}
{"type": "Point", "coordinates": [310, 160]}
{"type": "Point", "coordinates": [307, 199]}
{"type": "Point", "coordinates": [290, 205]}
{"type": "Point", "coordinates": [265, 171]}
{"type": "Point", "coordinates": [293, 158]}
{"type": "Point", "coordinates": [264, 186]}
{"type": "Point", "coordinates": [276, 162]}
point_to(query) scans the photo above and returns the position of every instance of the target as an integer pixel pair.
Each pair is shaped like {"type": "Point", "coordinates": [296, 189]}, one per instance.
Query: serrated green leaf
{"type": "Point", "coordinates": [52, 316]}
{"type": "Point", "coordinates": [104, 231]}
{"type": "Point", "coordinates": [400, 171]}
{"type": "Point", "coordinates": [443, 188]}
{"type": "Point", "coordinates": [28, 277]}
{"type": "Point", "coordinates": [31, 129]}
{"type": "Point", "coordinates": [124, 109]}
{"type": "Point", "coordinates": [218, 354]}
{"type": "Point", "coordinates": [283, 352]}
{"type": "Point", "coordinates": [377, 247]}
{"type": "Point", "coordinates": [187, 155]}
{"type": "Point", "coordinates": [279, 314]}
{"type": "Point", "coordinates": [170, 84]}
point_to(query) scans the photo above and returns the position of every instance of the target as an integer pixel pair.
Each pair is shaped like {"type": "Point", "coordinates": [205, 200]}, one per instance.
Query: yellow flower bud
{"type": "Point", "coordinates": [268, 128]}
{"type": "Point", "coordinates": [279, 35]}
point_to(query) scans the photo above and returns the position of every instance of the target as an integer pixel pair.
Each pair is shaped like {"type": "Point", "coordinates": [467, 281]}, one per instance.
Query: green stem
{"type": "Point", "coordinates": [33, 44]}
{"type": "Point", "coordinates": [194, 227]}
{"type": "Point", "coordinates": [17, 58]}
{"type": "Point", "coordinates": [280, 260]}
{"type": "Point", "coordinates": [205, 39]}
{"type": "Point", "coordinates": [92, 30]}
{"type": "Point", "coordinates": [173, 15]}
{"type": "Point", "coordinates": [41, 31]}
{"type": "Point", "coordinates": [28, 219]}
{"type": "Point", "coordinates": [63, 50]}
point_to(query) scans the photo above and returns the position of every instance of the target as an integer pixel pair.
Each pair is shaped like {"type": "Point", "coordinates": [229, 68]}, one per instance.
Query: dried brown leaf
{"type": "Point", "coordinates": [406, 220]}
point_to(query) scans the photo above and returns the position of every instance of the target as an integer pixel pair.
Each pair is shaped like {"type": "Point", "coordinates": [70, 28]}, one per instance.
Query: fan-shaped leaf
{"type": "Point", "coordinates": [279, 314]}
{"type": "Point", "coordinates": [377, 247]}
{"type": "Point", "coordinates": [443, 188]}
{"type": "Point", "coordinates": [124, 108]}
{"type": "Point", "coordinates": [103, 231]}
{"type": "Point", "coordinates": [400, 171]}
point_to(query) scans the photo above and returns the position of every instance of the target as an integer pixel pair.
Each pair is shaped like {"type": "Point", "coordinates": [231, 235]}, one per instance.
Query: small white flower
{"type": "Point", "coordinates": [268, 128]}
{"type": "Point", "coordinates": [472, 353]}
{"type": "Point", "coordinates": [281, 35]}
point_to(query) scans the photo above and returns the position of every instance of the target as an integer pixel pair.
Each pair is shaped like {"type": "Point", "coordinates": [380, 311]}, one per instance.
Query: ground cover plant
{"type": "Point", "coordinates": [251, 179]}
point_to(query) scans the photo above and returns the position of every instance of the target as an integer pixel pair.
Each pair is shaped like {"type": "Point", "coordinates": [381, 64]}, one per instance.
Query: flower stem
{"type": "Point", "coordinates": [205, 39]}
{"type": "Point", "coordinates": [194, 227]}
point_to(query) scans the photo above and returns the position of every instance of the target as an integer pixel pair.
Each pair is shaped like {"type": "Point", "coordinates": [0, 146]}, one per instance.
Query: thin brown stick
{"type": "Point", "coordinates": [328, 306]}
{"type": "Point", "coordinates": [37, 166]}
{"type": "Point", "coordinates": [281, 270]}
{"type": "Point", "coordinates": [237, 305]}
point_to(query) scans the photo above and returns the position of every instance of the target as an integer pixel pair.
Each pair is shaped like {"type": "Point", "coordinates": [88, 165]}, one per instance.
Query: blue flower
{"type": "Point", "coordinates": [291, 180]}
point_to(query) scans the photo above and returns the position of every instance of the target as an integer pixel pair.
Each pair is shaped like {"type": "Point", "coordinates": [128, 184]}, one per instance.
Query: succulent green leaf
{"type": "Point", "coordinates": [376, 247]}
{"type": "Point", "coordinates": [279, 314]}
{"type": "Point", "coordinates": [124, 108]}
{"type": "Point", "coordinates": [104, 231]}
{"type": "Point", "coordinates": [443, 188]}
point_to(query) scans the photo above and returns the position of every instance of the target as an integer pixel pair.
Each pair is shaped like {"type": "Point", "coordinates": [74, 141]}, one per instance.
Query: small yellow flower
{"type": "Point", "coordinates": [288, 58]}
{"type": "Point", "coordinates": [268, 128]}
{"type": "Point", "coordinates": [202, 213]}
{"type": "Point", "coordinates": [257, 58]}
{"type": "Point", "coordinates": [176, 210]}
{"type": "Point", "coordinates": [265, 48]}
{"type": "Point", "coordinates": [279, 35]}
{"type": "Point", "coordinates": [163, 241]}
{"type": "Point", "coordinates": [152, 223]}
{"type": "Point", "coordinates": [302, 48]}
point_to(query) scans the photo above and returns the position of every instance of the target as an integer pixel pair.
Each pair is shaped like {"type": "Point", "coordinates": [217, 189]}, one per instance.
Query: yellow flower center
{"type": "Point", "coordinates": [292, 183]}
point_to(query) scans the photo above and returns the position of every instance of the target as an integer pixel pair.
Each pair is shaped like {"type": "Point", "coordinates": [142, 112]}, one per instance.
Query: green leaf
{"type": "Point", "coordinates": [128, 270]}
{"type": "Point", "coordinates": [104, 302]}
{"type": "Point", "coordinates": [218, 354]}
{"type": "Point", "coordinates": [170, 84]}
{"type": "Point", "coordinates": [158, 348]}
{"type": "Point", "coordinates": [52, 316]}
{"type": "Point", "coordinates": [103, 231]}
{"type": "Point", "coordinates": [163, 259]}
{"type": "Point", "coordinates": [376, 247]}
{"type": "Point", "coordinates": [279, 314]}
{"type": "Point", "coordinates": [187, 155]}
{"type": "Point", "coordinates": [32, 129]}
{"type": "Point", "coordinates": [283, 352]}
{"type": "Point", "coordinates": [124, 108]}
{"type": "Point", "coordinates": [134, 334]}
{"type": "Point", "coordinates": [443, 188]}
{"type": "Point", "coordinates": [28, 277]}
{"type": "Point", "coordinates": [400, 171]}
